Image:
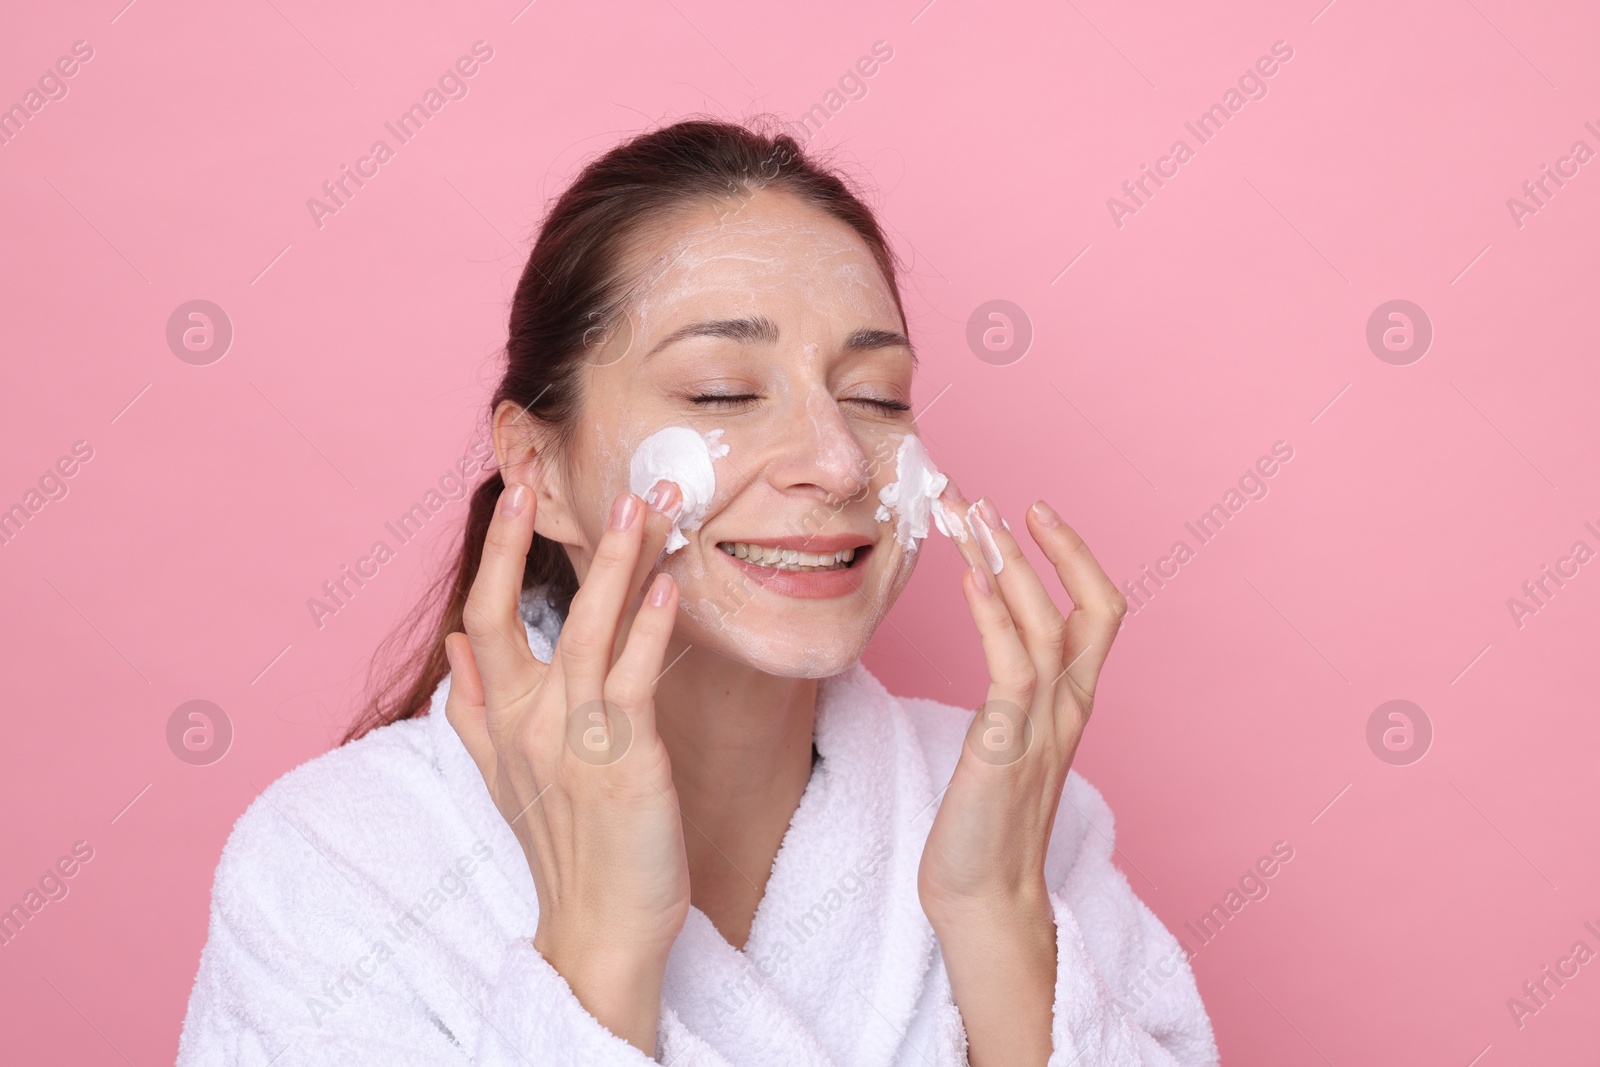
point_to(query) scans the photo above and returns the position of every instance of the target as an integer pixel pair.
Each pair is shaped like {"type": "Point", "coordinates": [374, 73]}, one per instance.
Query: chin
{"type": "Point", "coordinates": [784, 647]}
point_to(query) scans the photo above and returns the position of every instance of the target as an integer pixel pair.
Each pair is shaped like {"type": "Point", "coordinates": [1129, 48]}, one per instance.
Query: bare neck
{"type": "Point", "coordinates": [740, 742]}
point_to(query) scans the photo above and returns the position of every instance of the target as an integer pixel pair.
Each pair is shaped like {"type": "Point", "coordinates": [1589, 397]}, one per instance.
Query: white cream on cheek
{"type": "Point", "coordinates": [912, 499]}
{"type": "Point", "coordinates": [682, 456]}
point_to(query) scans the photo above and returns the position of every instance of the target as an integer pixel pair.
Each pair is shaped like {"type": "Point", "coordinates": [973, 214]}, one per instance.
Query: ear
{"type": "Point", "coordinates": [522, 446]}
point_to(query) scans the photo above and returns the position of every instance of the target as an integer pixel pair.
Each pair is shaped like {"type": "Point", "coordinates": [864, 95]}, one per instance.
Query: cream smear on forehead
{"type": "Point", "coordinates": [682, 456]}
{"type": "Point", "coordinates": [913, 497]}
{"type": "Point", "coordinates": [742, 255]}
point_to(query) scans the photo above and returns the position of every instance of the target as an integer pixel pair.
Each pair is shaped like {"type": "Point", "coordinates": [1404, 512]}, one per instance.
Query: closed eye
{"type": "Point", "coordinates": [889, 406]}
{"type": "Point", "coordinates": [722, 400]}
{"type": "Point", "coordinates": [725, 400]}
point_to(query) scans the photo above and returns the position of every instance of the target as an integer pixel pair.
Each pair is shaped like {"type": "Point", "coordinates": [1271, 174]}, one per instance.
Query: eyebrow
{"type": "Point", "coordinates": [759, 328]}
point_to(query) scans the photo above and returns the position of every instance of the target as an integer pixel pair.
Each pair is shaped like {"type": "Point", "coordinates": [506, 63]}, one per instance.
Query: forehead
{"type": "Point", "coordinates": [770, 253]}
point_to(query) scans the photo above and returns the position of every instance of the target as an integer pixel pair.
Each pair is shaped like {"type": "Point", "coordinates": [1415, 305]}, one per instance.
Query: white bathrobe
{"type": "Point", "coordinates": [373, 907]}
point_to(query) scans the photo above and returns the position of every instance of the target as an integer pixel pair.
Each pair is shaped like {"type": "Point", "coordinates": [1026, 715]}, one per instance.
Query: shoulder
{"type": "Point", "coordinates": [324, 798]}
{"type": "Point", "coordinates": [329, 873]}
{"type": "Point", "coordinates": [1083, 826]}
{"type": "Point", "coordinates": [339, 829]}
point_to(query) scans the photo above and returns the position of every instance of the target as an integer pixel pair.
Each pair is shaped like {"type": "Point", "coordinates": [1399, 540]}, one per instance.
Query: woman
{"type": "Point", "coordinates": [653, 807]}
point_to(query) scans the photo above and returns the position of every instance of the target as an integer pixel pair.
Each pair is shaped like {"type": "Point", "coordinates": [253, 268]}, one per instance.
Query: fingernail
{"type": "Point", "coordinates": [665, 497]}
{"type": "Point", "coordinates": [980, 578]}
{"type": "Point", "coordinates": [512, 499]}
{"type": "Point", "coordinates": [660, 589]}
{"type": "Point", "coordinates": [985, 537]}
{"type": "Point", "coordinates": [952, 490]}
{"type": "Point", "coordinates": [623, 511]}
{"type": "Point", "coordinates": [1046, 514]}
{"type": "Point", "coordinates": [991, 514]}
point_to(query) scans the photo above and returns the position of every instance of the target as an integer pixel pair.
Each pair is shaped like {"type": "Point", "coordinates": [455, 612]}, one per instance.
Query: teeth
{"type": "Point", "coordinates": [788, 559]}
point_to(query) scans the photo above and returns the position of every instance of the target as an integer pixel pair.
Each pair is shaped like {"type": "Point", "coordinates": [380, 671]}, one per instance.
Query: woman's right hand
{"type": "Point", "coordinates": [571, 756]}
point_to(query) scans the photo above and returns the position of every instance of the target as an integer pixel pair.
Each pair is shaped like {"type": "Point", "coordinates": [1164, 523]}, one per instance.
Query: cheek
{"type": "Point", "coordinates": [880, 445]}
{"type": "Point", "coordinates": [689, 570]}
{"type": "Point", "coordinates": [595, 471]}
{"type": "Point", "coordinates": [883, 445]}
{"type": "Point", "coordinates": [898, 565]}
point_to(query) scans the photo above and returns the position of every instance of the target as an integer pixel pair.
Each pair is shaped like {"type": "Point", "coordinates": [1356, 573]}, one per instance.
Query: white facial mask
{"type": "Point", "coordinates": [682, 456]}
{"type": "Point", "coordinates": [913, 497]}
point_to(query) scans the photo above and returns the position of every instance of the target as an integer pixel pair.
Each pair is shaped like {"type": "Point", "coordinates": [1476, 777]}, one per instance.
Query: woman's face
{"type": "Point", "coordinates": [770, 321]}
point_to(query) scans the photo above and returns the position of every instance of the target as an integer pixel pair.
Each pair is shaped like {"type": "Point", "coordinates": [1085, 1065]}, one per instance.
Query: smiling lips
{"type": "Point", "coordinates": [789, 559]}
{"type": "Point", "coordinates": [805, 567]}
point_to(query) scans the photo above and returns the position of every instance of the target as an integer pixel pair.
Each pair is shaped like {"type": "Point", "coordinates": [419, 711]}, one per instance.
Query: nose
{"type": "Point", "coordinates": [819, 453]}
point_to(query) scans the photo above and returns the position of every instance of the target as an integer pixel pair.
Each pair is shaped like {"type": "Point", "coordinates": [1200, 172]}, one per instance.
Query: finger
{"type": "Point", "coordinates": [589, 635]}
{"type": "Point", "coordinates": [955, 506]}
{"type": "Point", "coordinates": [1044, 631]}
{"type": "Point", "coordinates": [663, 505]}
{"type": "Point", "coordinates": [489, 616]}
{"type": "Point", "coordinates": [632, 682]}
{"type": "Point", "coordinates": [1098, 608]}
{"type": "Point", "coordinates": [1012, 673]}
{"type": "Point", "coordinates": [464, 706]}
{"type": "Point", "coordinates": [989, 544]}
{"type": "Point", "coordinates": [969, 536]}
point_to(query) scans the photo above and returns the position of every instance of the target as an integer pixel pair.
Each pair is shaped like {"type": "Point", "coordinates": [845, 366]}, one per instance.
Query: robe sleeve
{"type": "Point", "coordinates": [535, 1018]}
{"type": "Point", "coordinates": [1124, 996]}
{"type": "Point", "coordinates": [288, 978]}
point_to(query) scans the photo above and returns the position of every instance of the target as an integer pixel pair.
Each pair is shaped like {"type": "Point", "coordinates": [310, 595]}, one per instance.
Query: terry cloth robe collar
{"type": "Point", "coordinates": [839, 936]}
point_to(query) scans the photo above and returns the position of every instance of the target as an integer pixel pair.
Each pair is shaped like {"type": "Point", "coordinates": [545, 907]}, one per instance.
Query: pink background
{"type": "Point", "coordinates": [1227, 314]}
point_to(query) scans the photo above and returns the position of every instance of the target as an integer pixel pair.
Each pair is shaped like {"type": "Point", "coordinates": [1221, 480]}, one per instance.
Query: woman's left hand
{"type": "Point", "coordinates": [982, 882]}
{"type": "Point", "coordinates": [986, 849]}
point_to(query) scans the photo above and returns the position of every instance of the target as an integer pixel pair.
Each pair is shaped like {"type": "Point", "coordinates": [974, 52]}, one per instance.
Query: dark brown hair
{"type": "Point", "coordinates": [571, 295]}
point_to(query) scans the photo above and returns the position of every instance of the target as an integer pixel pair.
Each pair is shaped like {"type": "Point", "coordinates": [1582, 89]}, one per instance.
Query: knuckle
{"type": "Point", "coordinates": [475, 620]}
{"type": "Point", "coordinates": [1117, 605]}
{"type": "Point", "coordinates": [581, 643]}
{"type": "Point", "coordinates": [1054, 632]}
{"type": "Point", "coordinates": [1022, 677]}
{"type": "Point", "coordinates": [499, 541]}
{"type": "Point", "coordinates": [626, 692]}
{"type": "Point", "coordinates": [615, 550]}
